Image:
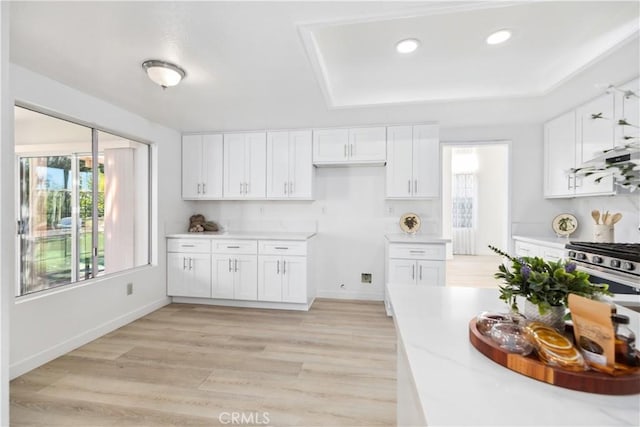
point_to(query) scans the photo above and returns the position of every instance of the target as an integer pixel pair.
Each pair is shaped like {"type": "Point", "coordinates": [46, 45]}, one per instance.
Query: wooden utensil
{"type": "Point", "coordinates": [615, 218]}
{"type": "Point", "coordinates": [595, 214]}
{"type": "Point", "coordinates": [605, 217]}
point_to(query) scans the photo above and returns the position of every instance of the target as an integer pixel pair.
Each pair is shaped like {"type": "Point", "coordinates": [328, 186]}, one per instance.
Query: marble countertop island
{"type": "Point", "coordinates": [444, 380]}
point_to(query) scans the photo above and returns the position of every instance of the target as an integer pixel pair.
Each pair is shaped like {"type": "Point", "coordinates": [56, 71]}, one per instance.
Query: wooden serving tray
{"type": "Point", "coordinates": [588, 381]}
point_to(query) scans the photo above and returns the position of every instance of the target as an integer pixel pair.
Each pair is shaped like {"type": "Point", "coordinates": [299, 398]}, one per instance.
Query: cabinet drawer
{"type": "Point", "coordinates": [552, 254]}
{"type": "Point", "coordinates": [414, 251]}
{"type": "Point", "coordinates": [235, 246]}
{"type": "Point", "coordinates": [189, 245]}
{"type": "Point", "coordinates": [526, 249]}
{"type": "Point", "coordinates": [282, 247]}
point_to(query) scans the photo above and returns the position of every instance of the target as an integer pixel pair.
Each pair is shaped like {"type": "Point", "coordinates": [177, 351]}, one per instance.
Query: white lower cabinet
{"type": "Point", "coordinates": [235, 270]}
{"type": "Point", "coordinates": [269, 271]}
{"type": "Point", "coordinates": [189, 274]}
{"type": "Point", "coordinates": [424, 272]}
{"type": "Point", "coordinates": [282, 279]}
{"type": "Point", "coordinates": [549, 251]}
{"type": "Point", "coordinates": [234, 277]}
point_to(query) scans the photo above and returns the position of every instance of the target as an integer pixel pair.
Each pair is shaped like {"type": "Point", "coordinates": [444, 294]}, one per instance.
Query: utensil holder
{"type": "Point", "coordinates": [603, 233]}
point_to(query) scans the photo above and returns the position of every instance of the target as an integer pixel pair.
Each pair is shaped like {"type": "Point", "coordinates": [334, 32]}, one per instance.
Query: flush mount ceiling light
{"type": "Point", "coordinates": [163, 73]}
{"type": "Point", "coordinates": [499, 36]}
{"type": "Point", "coordinates": [407, 45]}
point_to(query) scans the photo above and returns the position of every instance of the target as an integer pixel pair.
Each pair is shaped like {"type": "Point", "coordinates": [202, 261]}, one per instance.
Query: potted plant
{"type": "Point", "coordinates": [545, 286]}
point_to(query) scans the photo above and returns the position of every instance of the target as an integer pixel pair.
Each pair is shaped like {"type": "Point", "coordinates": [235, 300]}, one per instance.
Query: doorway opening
{"type": "Point", "coordinates": [475, 209]}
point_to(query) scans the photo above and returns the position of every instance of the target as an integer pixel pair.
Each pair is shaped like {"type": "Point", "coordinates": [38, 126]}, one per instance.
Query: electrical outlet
{"type": "Point", "coordinates": [129, 288]}
{"type": "Point", "coordinates": [342, 286]}
{"type": "Point", "coordinates": [365, 277]}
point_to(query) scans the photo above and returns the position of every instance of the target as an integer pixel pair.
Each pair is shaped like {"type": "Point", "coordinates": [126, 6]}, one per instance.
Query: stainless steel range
{"type": "Point", "coordinates": [617, 264]}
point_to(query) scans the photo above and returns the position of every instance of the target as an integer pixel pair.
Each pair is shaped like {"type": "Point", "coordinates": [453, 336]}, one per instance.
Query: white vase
{"type": "Point", "coordinates": [554, 317]}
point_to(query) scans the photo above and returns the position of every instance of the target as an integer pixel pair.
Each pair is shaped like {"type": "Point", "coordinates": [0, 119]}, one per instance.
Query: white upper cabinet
{"type": "Point", "coordinates": [349, 146]}
{"type": "Point", "coordinates": [559, 155]}
{"type": "Point", "coordinates": [244, 165]}
{"type": "Point", "coordinates": [628, 109]}
{"type": "Point", "coordinates": [574, 138]}
{"type": "Point", "coordinates": [595, 133]}
{"type": "Point", "coordinates": [202, 166]}
{"type": "Point", "coordinates": [289, 165]}
{"type": "Point", "coordinates": [413, 162]}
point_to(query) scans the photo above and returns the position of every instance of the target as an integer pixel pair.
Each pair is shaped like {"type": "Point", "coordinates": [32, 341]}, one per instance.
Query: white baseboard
{"type": "Point", "coordinates": [23, 366]}
{"type": "Point", "coordinates": [368, 296]}
{"type": "Point", "coordinates": [245, 304]}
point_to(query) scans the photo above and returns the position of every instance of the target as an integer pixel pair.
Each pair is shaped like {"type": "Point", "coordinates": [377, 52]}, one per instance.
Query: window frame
{"type": "Point", "coordinates": [95, 129]}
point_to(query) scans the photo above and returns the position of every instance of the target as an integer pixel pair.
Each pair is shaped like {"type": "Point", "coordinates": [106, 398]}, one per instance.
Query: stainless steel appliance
{"type": "Point", "coordinates": [617, 264]}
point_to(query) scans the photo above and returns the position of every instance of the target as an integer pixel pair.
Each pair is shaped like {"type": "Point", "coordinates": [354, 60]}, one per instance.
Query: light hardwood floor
{"type": "Point", "coordinates": [191, 364]}
{"type": "Point", "coordinates": [475, 271]}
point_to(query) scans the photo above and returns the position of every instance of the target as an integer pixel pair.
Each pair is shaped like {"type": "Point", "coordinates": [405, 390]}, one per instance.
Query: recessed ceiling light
{"type": "Point", "coordinates": [163, 73]}
{"type": "Point", "coordinates": [499, 36]}
{"type": "Point", "coordinates": [407, 45]}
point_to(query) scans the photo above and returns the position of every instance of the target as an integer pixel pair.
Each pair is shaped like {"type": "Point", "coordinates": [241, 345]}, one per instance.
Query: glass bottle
{"type": "Point", "coordinates": [625, 342]}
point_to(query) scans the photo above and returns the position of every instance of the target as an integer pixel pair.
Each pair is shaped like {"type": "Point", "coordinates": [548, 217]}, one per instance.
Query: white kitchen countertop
{"type": "Point", "coordinates": [458, 385]}
{"type": "Point", "coordinates": [245, 235]}
{"type": "Point", "coordinates": [415, 238]}
{"type": "Point", "coordinates": [556, 242]}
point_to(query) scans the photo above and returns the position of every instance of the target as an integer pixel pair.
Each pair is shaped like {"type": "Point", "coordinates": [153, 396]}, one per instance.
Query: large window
{"type": "Point", "coordinates": [83, 202]}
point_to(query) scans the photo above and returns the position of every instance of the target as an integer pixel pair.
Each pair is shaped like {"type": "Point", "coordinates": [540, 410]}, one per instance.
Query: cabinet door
{"type": "Point", "coordinates": [234, 164]}
{"type": "Point", "coordinates": [399, 162]}
{"type": "Point", "coordinates": [246, 277]}
{"type": "Point", "coordinates": [300, 165]}
{"type": "Point", "coordinates": [212, 169]}
{"type": "Point", "coordinates": [269, 278]}
{"type": "Point", "coordinates": [426, 161]}
{"type": "Point", "coordinates": [177, 277]}
{"type": "Point", "coordinates": [294, 279]}
{"type": "Point", "coordinates": [594, 136]}
{"type": "Point", "coordinates": [368, 144]}
{"type": "Point", "coordinates": [255, 165]}
{"type": "Point", "coordinates": [402, 271]}
{"type": "Point", "coordinates": [199, 266]}
{"type": "Point", "coordinates": [191, 166]}
{"type": "Point", "coordinates": [330, 145]}
{"type": "Point", "coordinates": [222, 276]}
{"type": "Point", "coordinates": [629, 110]}
{"type": "Point", "coordinates": [559, 155]}
{"type": "Point", "coordinates": [278, 165]}
{"type": "Point", "coordinates": [430, 273]}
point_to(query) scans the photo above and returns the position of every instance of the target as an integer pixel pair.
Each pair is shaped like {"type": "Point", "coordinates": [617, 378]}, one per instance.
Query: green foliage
{"type": "Point", "coordinates": [544, 283]}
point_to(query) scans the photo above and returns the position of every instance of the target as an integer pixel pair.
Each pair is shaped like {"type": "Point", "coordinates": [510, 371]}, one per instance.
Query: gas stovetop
{"type": "Point", "coordinates": [621, 251]}
{"type": "Point", "coordinates": [620, 259]}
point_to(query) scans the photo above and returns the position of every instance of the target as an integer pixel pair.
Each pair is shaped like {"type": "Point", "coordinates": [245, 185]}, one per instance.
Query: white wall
{"type": "Point", "coordinates": [6, 212]}
{"type": "Point", "coordinates": [352, 218]}
{"type": "Point", "coordinates": [44, 327]}
{"type": "Point", "coordinates": [492, 198]}
{"type": "Point", "coordinates": [627, 230]}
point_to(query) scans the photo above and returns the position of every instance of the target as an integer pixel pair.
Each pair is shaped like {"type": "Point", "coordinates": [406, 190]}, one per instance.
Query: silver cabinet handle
{"type": "Point", "coordinates": [229, 265]}
{"type": "Point", "coordinates": [345, 150]}
{"type": "Point", "coordinates": [240, 188]}
{"type": "Point", "coordinates": [281, 247]}
{"type": "Point", "coordinates": [285, 188]}
{"type": "Point", "coordinates": [278, 267]}
{"type": "Point", "coordinates": [420, 272]}
{"type": "Point", "coordinates": [198, 188]}
{"type": "Point", "coordinates": [284, 267]}
{"type": "Point", "coordinates": [415, 252]}
{"type": "Point", "coordinates": [413, 272]}
{"type": "Point", "coordinates": [235, 265]}
{"type": "Point", "coordinates": [409, 186]}
{"type": "Point", "coordinates": [204, 188]}
{"type": "Point", "coordinates": [352, 150]}
{"type": "Point", "coordinates": [290, 187]}
{"type": "Point", "coordinates": [190, 263]}
{"type": "Point", "coordinates": [233, 247]}
{"type": "Point", "coordinates": [415, 186]}
{"type": "Point", "coordinates": [575, 182]}
{"type": "Point", "coordinates": [184, 263]}
{"type": "Point", "coordinates": [246, 188]}
{"type": "Point", "coordinates": [187, 246]}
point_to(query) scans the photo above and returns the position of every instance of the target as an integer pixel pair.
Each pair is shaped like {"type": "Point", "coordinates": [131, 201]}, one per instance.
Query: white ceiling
{"type": "Point", "coordinates": [250, 64]}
